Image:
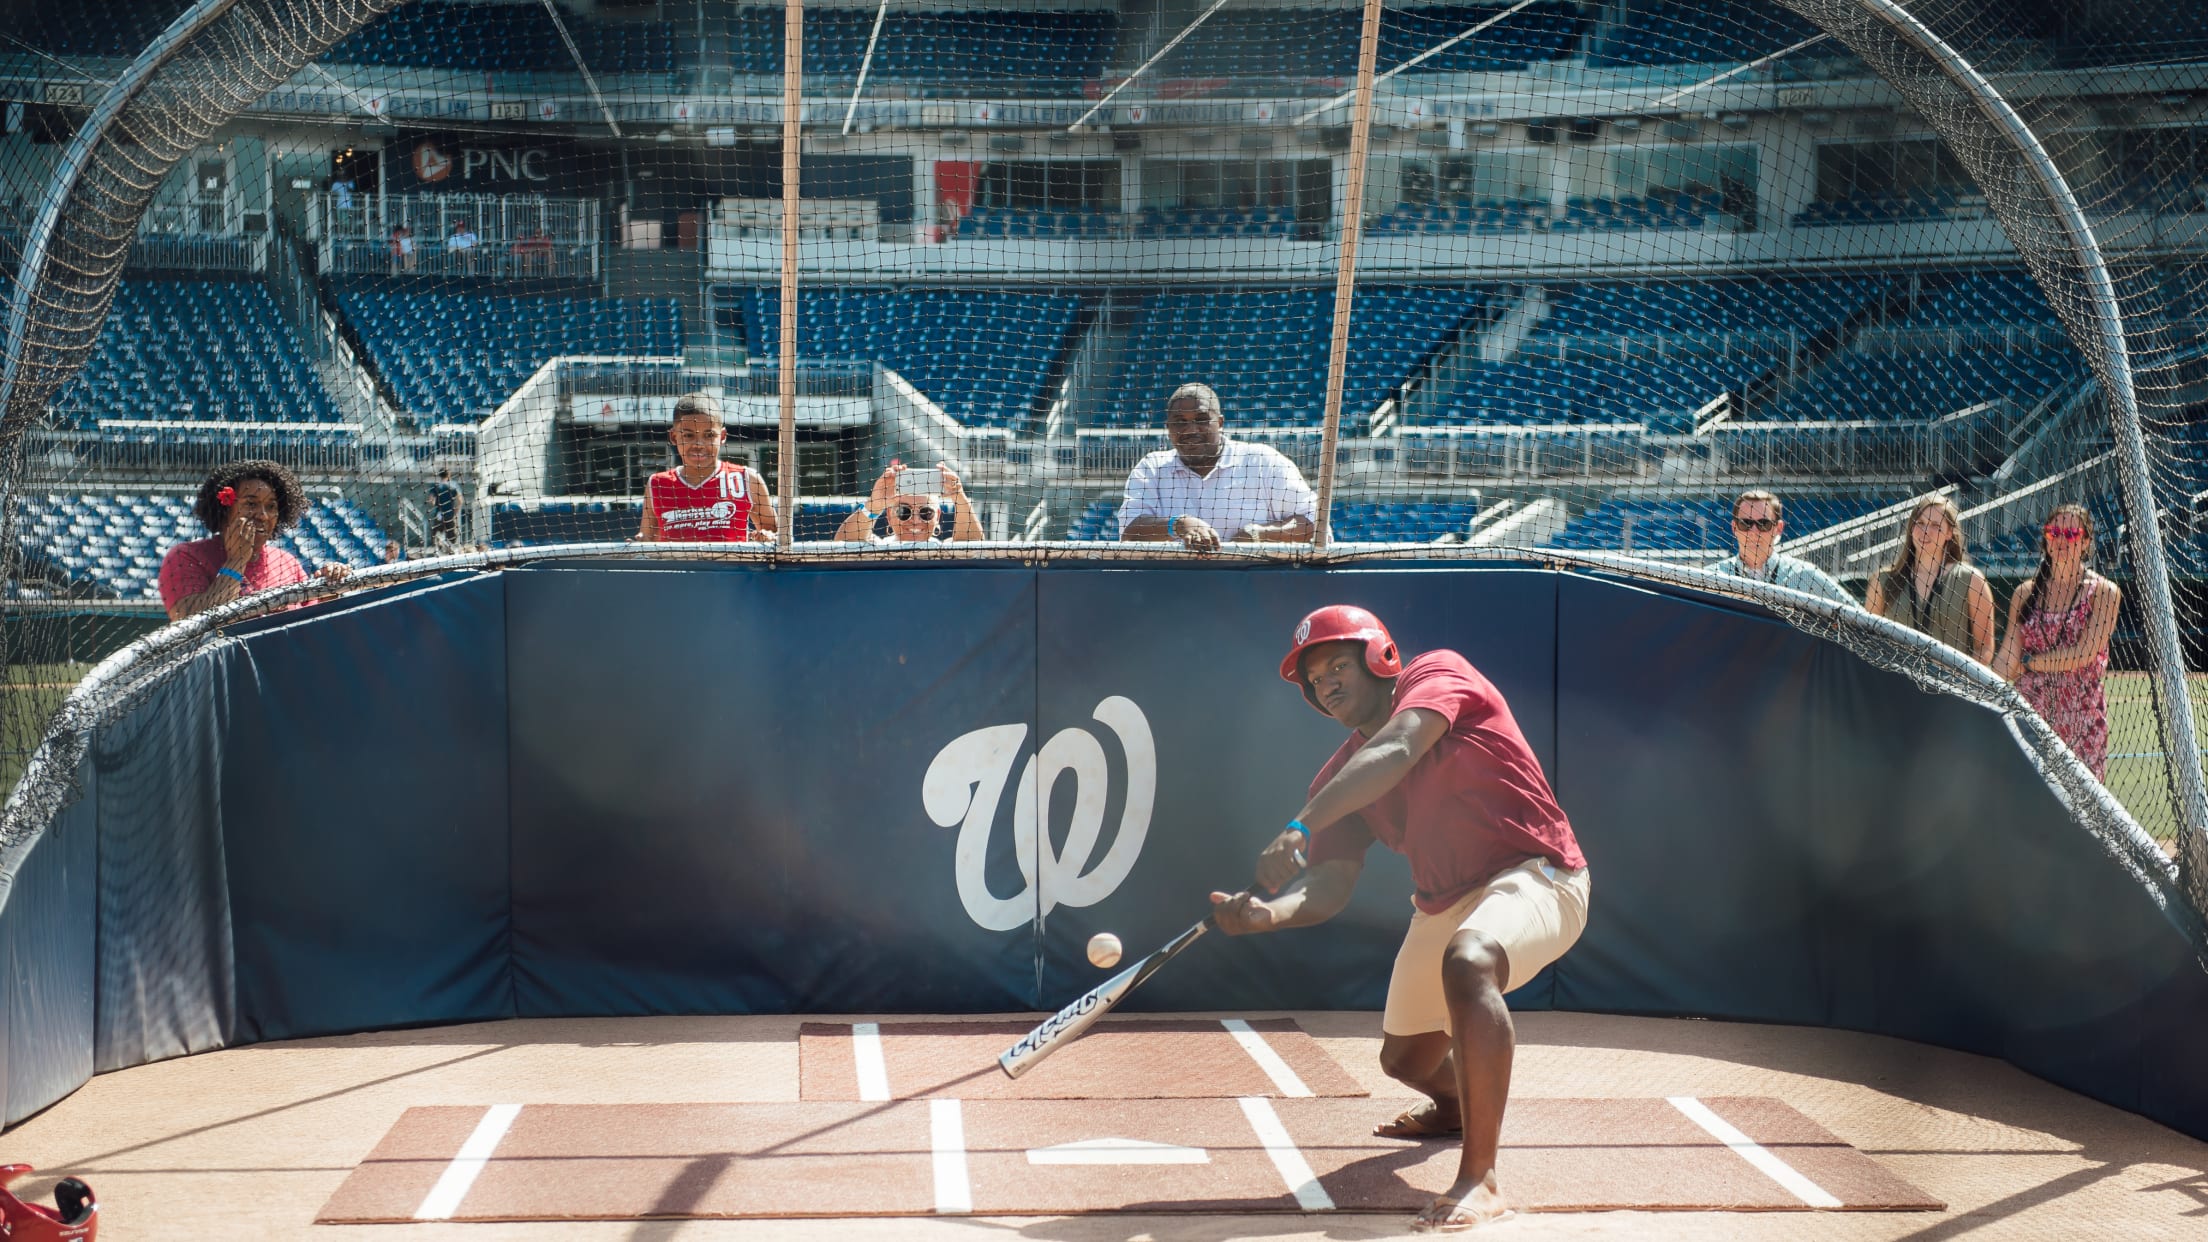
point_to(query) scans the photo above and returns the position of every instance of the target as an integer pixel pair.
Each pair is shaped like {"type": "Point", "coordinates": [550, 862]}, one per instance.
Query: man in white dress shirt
{"type": "Point", "coordinates": [1208, 490]}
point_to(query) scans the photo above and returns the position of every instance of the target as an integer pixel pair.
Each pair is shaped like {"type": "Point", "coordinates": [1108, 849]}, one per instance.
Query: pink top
{"type": "Point", "coordinates": [1470, 808]}
{"type": "Point", "coordinates": [189, 568]}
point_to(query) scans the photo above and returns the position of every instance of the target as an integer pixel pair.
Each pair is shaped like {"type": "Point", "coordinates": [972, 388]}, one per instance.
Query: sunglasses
{"type": "Point", "coordinates": [1755, 523]}
{"type": "Point", "coordinates": [2065, 534]}
{"type": "Point", "coordinates": [906, 513]}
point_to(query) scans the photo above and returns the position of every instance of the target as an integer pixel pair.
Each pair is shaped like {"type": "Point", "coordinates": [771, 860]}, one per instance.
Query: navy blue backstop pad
{"type": "Point", "coordinates": [716, 778]}
{"type": "Point", "coordinates": [364, 815]}
{"type": "Point", "coordinates": [1780, 832]}
{"type": "Point", "coordinates": [621, 789]}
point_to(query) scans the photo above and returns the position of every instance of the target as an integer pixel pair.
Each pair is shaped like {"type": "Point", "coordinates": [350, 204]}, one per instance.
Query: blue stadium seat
{"type": "Point", "coordinates": [455, 357]}
{"type": "Point", "coordinates": [110, 545]}
{"type": "Point", "coordinates": [980, 354]}
{"type": "Point", "coordinates": [1265, 351]}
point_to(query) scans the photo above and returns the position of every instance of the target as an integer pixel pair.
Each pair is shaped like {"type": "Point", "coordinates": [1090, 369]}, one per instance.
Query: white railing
{"type": "Point", "coordinates": [498, 236]}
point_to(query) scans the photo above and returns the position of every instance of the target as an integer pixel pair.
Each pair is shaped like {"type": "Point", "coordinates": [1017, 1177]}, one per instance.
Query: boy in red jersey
{"type": "Point", "coordinates": [1437, 770]}
{"type": "Point", "coordinates": [705, 499]}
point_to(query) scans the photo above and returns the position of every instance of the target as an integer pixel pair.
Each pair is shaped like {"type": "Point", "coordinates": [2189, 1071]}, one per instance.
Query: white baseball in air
{"type": "Point", "coordinates": [1104, 950]}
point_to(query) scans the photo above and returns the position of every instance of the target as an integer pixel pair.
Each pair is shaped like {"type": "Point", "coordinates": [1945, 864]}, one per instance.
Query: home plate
{"type": "Point", "coordinates": [1117, 1151]}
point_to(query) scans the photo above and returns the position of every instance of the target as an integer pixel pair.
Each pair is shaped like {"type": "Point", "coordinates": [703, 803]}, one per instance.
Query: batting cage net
{"type": "Point", "coordinates": [1884, 302]}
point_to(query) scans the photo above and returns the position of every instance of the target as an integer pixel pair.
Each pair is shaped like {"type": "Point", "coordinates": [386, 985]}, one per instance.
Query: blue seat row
{"type": "Point", "coordinates": [111, 544]}
{"type": "Point", "coordinates": [981, 354]}
{"type": "Point", "coordinates": [195, 351]}
{"type": "Point", "coordinates": [1265, 351]}
{"type": "Point", "coordinates": [431, 34]}
{"type": "Point", "coordinates": [1700, 32]}
{"type": "Point", "coordinates": [1691, 524]}
{"type": "Point", "coordinates": [455, 357]}
{"type": "Point", "coordinates": [1880, 207]}
{"type": "Point", "coordinates": [1322, 43]}
{"type": "Point", "coordinates": [1065, 48]}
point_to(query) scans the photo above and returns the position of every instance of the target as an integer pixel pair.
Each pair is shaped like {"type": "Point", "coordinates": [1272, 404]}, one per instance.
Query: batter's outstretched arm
{"type": "Point", "coordinates": [1316, 896]}
{"type": "Point", "coordinates": [1377, 768]}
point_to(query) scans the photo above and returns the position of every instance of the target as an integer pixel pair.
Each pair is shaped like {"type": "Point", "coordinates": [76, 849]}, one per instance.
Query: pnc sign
{"type": "Point", "coordinates": [436, 164]}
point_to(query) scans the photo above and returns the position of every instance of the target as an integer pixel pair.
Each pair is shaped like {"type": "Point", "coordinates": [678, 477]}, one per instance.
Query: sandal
{"type": "Point", "coordinates": [1459, 1220]}
{"type": "Point", "coordinates": [1422, 1122]}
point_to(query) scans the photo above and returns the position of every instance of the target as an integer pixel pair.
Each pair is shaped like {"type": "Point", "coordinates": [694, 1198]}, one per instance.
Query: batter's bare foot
{"type": "Point", "coordinates": [1428, 1120]}
{"type": "Point", "coordinates": [1466, 1205]}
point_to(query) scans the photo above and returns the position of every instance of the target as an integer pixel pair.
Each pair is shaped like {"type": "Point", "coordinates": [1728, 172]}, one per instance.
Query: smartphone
{"type": "Point", "coordinates": [919, 481]}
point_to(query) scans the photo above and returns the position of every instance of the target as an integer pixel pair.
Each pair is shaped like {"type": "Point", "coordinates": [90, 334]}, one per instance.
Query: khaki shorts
{"type": "Point", "coordinates": [1535, 911]}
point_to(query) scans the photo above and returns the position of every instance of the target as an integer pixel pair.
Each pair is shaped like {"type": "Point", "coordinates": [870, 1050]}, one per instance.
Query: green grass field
{"type": "Point", "coordinates": [29, 695]}
{"type": "Point", "coordinates": [2135, 765]}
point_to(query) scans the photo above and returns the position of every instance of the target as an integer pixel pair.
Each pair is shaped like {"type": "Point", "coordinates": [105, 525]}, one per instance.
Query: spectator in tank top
{"type": "Point", "coordinates": [704, 499]}
{"type": "Point", "coordinates": [1931, 586]}
{"type": "Point", "coordinates": [2056, 650]}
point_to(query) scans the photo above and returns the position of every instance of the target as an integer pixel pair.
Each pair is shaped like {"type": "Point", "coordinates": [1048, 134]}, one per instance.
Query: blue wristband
{"type": "Point", "coordinates": [232, 574]}
{"type": "Point", "coordinates": [1170, 532]}
{"type": "Point", "coordinates": [1296, 825]}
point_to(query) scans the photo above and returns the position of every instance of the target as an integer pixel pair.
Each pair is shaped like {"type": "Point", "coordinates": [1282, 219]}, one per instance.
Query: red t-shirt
{"type": "Point", "coordinates": [715, 511]}
{"type": "Point", "coordinates": [1472, 807]}
{"type": "Point", "coordinates": [189, 568]}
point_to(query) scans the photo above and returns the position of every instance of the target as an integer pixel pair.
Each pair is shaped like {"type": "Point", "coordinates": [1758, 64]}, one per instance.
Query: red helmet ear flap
{"type": "Point", "coordinates": [1383, 659]}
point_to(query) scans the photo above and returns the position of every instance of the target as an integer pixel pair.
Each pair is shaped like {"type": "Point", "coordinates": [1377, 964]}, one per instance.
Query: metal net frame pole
{"type": "Point", "coordinates": [2160, 611]}
{"type": "Point", "coordinates": [793, 125]}
{"type": "Point", "coordinates": [1345, 269]}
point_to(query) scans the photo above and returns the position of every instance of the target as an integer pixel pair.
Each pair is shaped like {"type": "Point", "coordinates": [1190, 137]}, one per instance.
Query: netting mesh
{"type": "Point", "coordinates": [1087, 278]}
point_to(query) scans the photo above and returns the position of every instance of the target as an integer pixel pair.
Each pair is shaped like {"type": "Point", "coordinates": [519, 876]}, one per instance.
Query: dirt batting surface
{"type": "Point", "coordinates": [1118, 1059]}
{"type": "Point", "coordinates": [254, 1143]}
{"type": "Point", "coordinates": [1064, 1157]}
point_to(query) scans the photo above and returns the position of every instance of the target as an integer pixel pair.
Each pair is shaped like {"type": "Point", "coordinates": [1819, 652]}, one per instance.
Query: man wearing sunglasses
{"type": "Point", "coordinates": [1759, 518]}
{"type": "Point", "coordinates": [913, 518]}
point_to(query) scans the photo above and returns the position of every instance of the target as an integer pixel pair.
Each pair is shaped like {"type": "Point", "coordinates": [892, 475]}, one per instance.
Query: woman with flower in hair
{"type": "Point", "coordinates": [245, 504]}
{"type": "Point", "coordinates": [2057, 646]}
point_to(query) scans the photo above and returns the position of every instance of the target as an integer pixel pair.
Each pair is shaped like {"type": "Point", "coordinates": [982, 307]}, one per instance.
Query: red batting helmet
{"type": "Point", "coordinates": [1339, 623]}
{"type": "Point", "coordinates": [74, 1218]}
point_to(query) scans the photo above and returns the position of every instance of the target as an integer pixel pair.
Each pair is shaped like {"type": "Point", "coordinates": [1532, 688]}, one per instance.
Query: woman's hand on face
{"type": "Point", "coordinates": [242, 538]}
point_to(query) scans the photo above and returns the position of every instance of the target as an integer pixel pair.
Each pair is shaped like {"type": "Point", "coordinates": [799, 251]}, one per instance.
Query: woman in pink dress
{"type": "Point", "coordinates": [2057, 646]}
{"type": "Point", "coordinates": [246, 503]}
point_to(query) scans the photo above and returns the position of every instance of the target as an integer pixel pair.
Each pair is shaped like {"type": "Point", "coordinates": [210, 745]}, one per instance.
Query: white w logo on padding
{"type": "Point", "coordinates": [967, 778]}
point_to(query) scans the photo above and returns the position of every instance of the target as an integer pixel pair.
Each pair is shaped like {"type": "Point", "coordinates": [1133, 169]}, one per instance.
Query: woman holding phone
{"type": "Point", "coordinates": [915, 502]}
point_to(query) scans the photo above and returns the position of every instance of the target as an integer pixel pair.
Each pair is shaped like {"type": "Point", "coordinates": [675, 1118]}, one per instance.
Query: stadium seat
{"type": "Point", "coordinates": [455, 357]}
{"type": "Point", "coordinates": [110, 545]}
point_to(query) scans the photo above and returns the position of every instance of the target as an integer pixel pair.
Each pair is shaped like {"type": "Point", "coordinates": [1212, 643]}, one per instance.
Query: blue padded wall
{"type": "Point", "coordinates": [365, 820]}
{"type": "Point", "coordinates": [606, 788]}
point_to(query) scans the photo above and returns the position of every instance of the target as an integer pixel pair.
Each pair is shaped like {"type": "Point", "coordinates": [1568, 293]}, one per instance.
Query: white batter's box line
{"type": "Point", "coordinates": [453, 1184]}
{"type": "Point", "coordinates": [1284, 1078]}
{"type": "Point", "coordinates": [1755, 1153]}
{"type": "Point", "coordinates": [954, 1189]}
{"type": "Point", "coordinates": [866, 1053]}
{"type": "Point", "coordinates": [1285, 1155]}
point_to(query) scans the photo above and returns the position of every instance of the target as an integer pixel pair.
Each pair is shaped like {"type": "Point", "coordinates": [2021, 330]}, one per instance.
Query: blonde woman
{"type": "Point", "coordinates": [1931, 587]}
{"type": "Point", "coordinates": [2057, 646]}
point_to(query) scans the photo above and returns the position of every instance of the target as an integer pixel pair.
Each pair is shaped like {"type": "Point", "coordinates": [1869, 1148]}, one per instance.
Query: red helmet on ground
{"type": "Point", "coordinates": [1341, 623]}
{"type": "Point", "coordinates": [75, 1216]}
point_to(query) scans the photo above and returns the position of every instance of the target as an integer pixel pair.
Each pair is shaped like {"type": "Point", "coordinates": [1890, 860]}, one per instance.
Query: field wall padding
{"type": "Point", "coordinates": [621, 788]}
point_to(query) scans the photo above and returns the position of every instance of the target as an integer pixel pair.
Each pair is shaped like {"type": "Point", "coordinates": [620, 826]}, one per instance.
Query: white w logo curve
{"type": "Point", "coordinates": [967, 778]}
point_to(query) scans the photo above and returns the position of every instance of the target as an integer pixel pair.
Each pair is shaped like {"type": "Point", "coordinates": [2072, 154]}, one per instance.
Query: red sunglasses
{"type": "Point", "coordinates": [2065, 534]}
